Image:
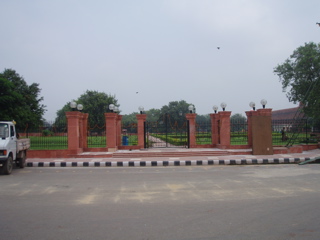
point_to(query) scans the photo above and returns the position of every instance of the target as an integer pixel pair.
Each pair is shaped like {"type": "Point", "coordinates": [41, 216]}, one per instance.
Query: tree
{"type": "Point", "coordinates": [19, 101]}
{"type": "Point", "coordinates": [95, 103]}
{"type": "Point", "coordinates": [300, 75]}
{"type": "Point", "coordinates": [176, 111]}
{"type": "Point", "coordinates": [238, 122]}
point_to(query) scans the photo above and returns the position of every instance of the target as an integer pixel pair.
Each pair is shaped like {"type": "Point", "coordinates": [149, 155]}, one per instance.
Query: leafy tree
{"type": "Point", "coordinates": [127, 119]}
{"type": "Point", "coordinates": [95, 103]}
{"type": "Point", "coordinates": [20, 101]}
{"type": "Point", "coordinates": [300, 75]}
{"type": "Point", "coordinates": [203, 118]}
{"type": "Point", "coordinates": [238, 122]}
{"type": "Point", "coordinates": [153, 115]}
{"type": "Point", "coordinates": [176, 110]}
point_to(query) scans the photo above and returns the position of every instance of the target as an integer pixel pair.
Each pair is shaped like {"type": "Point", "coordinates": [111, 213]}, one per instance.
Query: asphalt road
{"type": "Point", "coordinates": [189, 203]}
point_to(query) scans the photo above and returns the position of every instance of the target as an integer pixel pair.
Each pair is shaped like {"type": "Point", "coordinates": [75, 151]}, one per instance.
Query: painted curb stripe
{"type": "Point", "coordinates": [168, 163]}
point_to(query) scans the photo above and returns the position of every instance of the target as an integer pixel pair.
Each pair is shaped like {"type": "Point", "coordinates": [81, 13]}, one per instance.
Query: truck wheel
{"type": "Point", "coordinates": [22, 160]}
{"type": "Point", "coordinates": [8, 166]}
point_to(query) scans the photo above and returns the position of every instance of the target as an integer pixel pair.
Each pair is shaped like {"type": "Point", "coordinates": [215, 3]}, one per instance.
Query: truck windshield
{"type": "Point", "coordinates": [4, 130]}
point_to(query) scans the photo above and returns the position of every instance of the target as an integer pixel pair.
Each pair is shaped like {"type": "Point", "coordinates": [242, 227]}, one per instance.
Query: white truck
{"type": "Point", "coordinates": [11, 148]}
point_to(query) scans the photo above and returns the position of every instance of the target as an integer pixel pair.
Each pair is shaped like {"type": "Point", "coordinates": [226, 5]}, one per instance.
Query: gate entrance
{"type": "Point", "coordinates": [167, 132]}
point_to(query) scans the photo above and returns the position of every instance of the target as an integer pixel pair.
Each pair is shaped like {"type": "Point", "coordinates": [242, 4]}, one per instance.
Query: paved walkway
{"type": "Point", "coordinates": [175, 161]}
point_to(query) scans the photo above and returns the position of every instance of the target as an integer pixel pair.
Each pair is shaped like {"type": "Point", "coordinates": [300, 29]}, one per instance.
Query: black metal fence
{"type": "Point", "coordinates": [129, 134]}
{"type": "Point", "coordinates": [304, 131]}
{"type": "Point", "coordinates": [203, 132]}
{"type": "Point", "coordinates": [96, 136]}
{"type": "Point", "coordinates": [46, 136]}
{"type": "Point", "coordinates": [238, 131]}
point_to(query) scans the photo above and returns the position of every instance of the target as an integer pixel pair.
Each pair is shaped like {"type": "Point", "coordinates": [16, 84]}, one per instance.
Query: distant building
{"type": "Point", "coordinates": [289, 113]}
{"type": "Point", "coordinates": [284, 118]}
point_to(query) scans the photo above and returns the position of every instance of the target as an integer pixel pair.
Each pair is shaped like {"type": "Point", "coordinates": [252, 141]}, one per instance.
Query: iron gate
{"type": "Point", "coordinates": [167, 132]}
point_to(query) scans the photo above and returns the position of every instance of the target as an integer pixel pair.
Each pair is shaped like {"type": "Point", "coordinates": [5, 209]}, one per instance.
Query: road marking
{"type": "Point", "coordinates": [88, 199]}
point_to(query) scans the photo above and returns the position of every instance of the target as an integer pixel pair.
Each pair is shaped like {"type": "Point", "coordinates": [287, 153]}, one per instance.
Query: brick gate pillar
{"type": "Point", "coordinates": [111, 131]}
{"type": "Point", "coordinates": [191, 117]}
{"type": "Point", "coordinates": [224, 122]}
{"type": "Point", "coordinates": [140, 131]}
{"type": "Point", "coordinates": [249, 123]}
{"type": "Point", "coordinates": [73, 120]}
{"type": "Point", "coordinates": [84, 128]}
{"type": "Point", "coordinates": [119, 128]}
{"type": "Point", "coordinates": [214, 129]}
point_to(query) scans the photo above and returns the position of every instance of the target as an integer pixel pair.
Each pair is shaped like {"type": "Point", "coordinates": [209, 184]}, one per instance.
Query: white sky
{"type": "Point", "coordinates": [164, 49]}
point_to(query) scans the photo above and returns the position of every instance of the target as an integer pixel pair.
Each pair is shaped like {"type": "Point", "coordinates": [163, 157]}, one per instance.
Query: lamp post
{"type": "Point", "coordinates": [141, 109]}
{"type": "Point", "coordinates": [191, 108]}
{"type": "Point", "coordinates": [215, 108]}
{"type": "Point", "coordinates": [252, 105]}
{"type": "Point", "coordinates": [263, 103]}
{"type": "Point", "coordinates": [80, 107]}
{"type": "Point", "coordinates": [74, 106]}
{"type": "Point", "coordinates": [111, 107]}
{"type": "Point", "coordinates": [223, 106]}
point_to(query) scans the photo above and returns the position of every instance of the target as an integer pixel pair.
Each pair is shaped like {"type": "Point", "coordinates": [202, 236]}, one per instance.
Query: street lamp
{"type": "Point", "coordinates": [111, 107]}
{"type": "Point", "coordinates": [252, 105]}
{"type": "Point", "coordinates": [80, 107]}
{"type": "Point", "coordinates": [263, 103]}
{"type": "Point", "coordinates": [191, 108]}
{"type": "Point", "coordinates": [215, 108]}
{"type": "Point", "coordinates": [223, 106]}
{"type": "Point", "coordinates": [73, 105]}
{"type": "Point", "coordinates": [141, 109]}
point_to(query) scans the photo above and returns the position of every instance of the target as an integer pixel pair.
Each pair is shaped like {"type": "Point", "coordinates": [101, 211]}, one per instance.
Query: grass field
{"type": "Point", "coordinates": [61, 142]}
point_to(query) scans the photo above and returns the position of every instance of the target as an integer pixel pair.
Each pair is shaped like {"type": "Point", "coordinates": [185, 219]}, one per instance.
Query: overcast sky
{"type": "Point", "coordinates": [166, 50]}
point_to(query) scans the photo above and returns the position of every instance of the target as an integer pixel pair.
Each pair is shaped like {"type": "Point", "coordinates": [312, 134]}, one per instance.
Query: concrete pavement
{"type": "Point", "coordinates": [167, 160]}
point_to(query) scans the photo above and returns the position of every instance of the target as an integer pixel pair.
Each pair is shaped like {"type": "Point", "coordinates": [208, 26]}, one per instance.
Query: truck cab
{"type": "Point", "coordinates": [11, 148]}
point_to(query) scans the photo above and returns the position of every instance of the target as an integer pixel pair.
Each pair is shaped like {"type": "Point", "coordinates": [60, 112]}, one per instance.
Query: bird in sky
{"type": "Point", "coordinates": [318, 24]}
{"type": "Point", "coordinates": [218, 48]}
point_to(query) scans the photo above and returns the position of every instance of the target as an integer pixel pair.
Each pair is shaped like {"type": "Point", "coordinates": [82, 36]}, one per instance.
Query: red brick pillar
{"type": "Point", "coordinates": [84, 128]}
{"type": "Point", "coordinates": [141, 120]}
{"type": "Point", "coordinates": [73, 119]}
{"type": "Point", "coordinates": [224, 118]}
{"type": "Point", "coordinates": [119, 128]}
{"type": "Point", "coordinates": [214, 129]}
{"type": "Point", "coordinates": [111, 131]}
{"type": "Point", "coordinates": [249, 123]}
{"type": "Point", "coordinates": [191, 117]}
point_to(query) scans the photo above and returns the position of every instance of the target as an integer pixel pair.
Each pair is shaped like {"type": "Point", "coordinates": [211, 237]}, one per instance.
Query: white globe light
{"type": "Point", "coordinates": [79, 107]}
{"type": "Point", "coordinates": [263, 103]}
{"type": "Point", "coordinates": [223, 105]}
{"type": "Point", "coordinates": [111, 107]}
{"type": "Point", "coordinates": [73, 104]}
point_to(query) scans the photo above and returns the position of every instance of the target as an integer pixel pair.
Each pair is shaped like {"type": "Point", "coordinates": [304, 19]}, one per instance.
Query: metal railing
{"type": "Point", "coordinates": [290, 131]}
{"type": "Point", "coordinates": [46, 136]}
{"type": "Point", "coordinates": [96, 136]}
{"type": "Point", "coordinates": [203, 132]}
{"type": "Point", "coordinates": [129, 134]}
{"type": "Point", "coordinates": [238, 132]}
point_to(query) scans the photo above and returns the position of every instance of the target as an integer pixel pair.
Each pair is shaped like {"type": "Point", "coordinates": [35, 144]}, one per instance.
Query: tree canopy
{"type": "Point", "coordinates": [19, 101]}
{"type": "Point", "coordinates": [95, 103]}
{"type": "Point", "coordinates": [299, 75]}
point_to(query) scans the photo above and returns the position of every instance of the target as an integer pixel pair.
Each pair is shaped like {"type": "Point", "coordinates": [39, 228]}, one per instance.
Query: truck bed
{"type": "Point", "coordinates": [23, 144]}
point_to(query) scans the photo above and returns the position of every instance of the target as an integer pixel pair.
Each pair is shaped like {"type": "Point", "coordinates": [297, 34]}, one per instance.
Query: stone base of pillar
{"type": "Point", "coordinates": [112, 149]}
